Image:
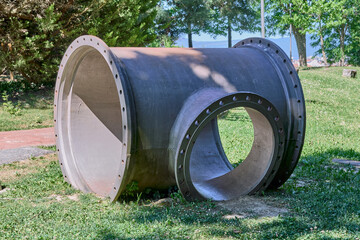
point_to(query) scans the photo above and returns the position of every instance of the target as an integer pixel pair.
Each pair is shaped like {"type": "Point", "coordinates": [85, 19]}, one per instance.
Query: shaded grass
{"type": "Point", "coordinates": [322, 197]}
{"type": "Point", "coordinates": [36, 110]}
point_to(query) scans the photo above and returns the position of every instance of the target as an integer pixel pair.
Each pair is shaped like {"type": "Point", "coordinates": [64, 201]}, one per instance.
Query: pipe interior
{"type": "Point", "coordinates": [94, 122]}
{"type": "Point", "coordinates": [211, 172]}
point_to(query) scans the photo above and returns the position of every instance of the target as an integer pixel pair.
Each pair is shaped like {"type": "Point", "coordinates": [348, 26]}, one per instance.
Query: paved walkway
{"type": "Point", "coordinates": [27, 138]}
{"type": "Point", "coordinates": [21, 145]}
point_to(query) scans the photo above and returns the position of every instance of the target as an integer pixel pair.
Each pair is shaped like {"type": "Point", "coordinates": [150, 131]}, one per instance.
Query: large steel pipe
{"type": "Point", "coordinates": [149, 115]}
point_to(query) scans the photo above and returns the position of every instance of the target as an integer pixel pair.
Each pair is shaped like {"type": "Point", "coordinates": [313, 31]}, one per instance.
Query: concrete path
{"type": "Point", "coordinates": [27, 138]}
{"type": "Point", "coordinates": [20, 145]}
{"type": "Point", "coordinates": [18, 154]}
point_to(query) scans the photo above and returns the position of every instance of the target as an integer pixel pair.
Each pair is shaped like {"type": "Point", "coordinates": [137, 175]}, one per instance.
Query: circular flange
{"type": "Point", "coordinates": [296, 105]}
{"type": "Point", "coordinates": [240, 99]}
{"type": "Point", "coordinates": [79, 49]}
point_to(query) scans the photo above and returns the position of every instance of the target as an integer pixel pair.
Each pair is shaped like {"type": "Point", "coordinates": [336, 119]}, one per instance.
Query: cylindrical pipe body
{"type": "Point", "coordinates": [136, 94]}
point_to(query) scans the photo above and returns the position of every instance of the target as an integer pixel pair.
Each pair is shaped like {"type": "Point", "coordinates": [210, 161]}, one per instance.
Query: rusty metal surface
{"type": "Point", "coordinates": [149, 115]}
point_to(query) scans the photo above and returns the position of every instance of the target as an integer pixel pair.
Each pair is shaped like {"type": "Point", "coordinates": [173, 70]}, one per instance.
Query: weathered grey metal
{"type": "Point", "coordinates": [149, 115]}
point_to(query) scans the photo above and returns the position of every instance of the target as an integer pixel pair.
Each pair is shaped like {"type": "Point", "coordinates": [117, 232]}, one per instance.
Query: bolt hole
{"type": "Point", "coordinates": [221, 103]}
{"type": "Point", "coordinates": [259, 101]}
{"type": "Point", "coordinates": [196, 123]}
{"type": "Point", "coordinates": [208, 111]}
{"type": "Point", "coordinates": [116, 76]}
{"type": "Point", "coordinates": [291, 72]}
{"type": "Point", "coordinates": [276, 118]}
{"type": "Point", "coordinates": [269, 108]}
{"type": "Point", "coordinates": [123, 109]}
{"type": "Point", "coordinates": [180, 167]}
{"type": "Point", "coordinates": [284, 60]}
{"type": "Point", "coordinates": [182, 151]}
{"type": "Point", "coordinates": [298, 101]}
{"type": "Point", "coordinates": [110, 62]}
{"type": "Point", "coordinates": [120, 91]}
{"type": "Point", "coordinates": [234, 98]}
{"type": "Point", "coordinates": [248, 98]}
{"type": "Point", "coordinates": [277, 51]}
{"type": "Point", "coordinates": [251, 40]}
{"type": "Point", "coordinates": [259, 41]}
{"type": "Point", "coordinates": [124, 127]}
{"type": "Point", "coordinates": [268, 45]}
{"type": "Point", "coordinates": [295, 86]}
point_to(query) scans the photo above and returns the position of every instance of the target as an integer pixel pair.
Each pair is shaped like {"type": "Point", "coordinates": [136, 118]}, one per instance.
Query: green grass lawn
{"type": "Point", "coordinates": [35, 110]}
{"type": "Point", "coordinates": [322, 197]}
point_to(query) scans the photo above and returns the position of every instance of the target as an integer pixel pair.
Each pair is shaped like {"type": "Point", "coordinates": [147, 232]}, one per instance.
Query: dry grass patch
{"type": "Point", "coordinates": [14, 171]}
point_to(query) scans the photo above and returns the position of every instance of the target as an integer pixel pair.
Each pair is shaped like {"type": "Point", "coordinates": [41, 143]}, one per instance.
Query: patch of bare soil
{"type": "Point", "coordinates": [60, 198]}
{"type": "Point", "coordinates": [252, 206]}
{"type": "Point", "coordinates": [13, 171]}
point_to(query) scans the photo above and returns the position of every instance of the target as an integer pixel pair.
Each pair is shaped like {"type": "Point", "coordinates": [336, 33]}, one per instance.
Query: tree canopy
{"type": "Point", "coordinates": [34, 33]}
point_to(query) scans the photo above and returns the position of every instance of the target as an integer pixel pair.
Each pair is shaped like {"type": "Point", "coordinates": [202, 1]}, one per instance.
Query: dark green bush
{"type": "Point", "coordinates": [34, 34]}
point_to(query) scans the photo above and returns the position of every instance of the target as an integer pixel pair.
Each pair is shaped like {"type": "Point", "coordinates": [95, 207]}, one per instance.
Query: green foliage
{"type": "Point", "coordinates": [233, 15]}
{"type": "Point", "coordinates": [123, 22]}
{"type": "Point", "coordinates": [166, 28]}
{"type": "Point", "coordinates": [283, 14]}
{"type": "Point", "coordinates": [191, 16]}
{"type": "Point", "coordinates": [34, 34]}
{"type": "Point", "coordinates": [9, 106]}
{"type": "Point", "coordinates": [131, 190]}
{"type": "Point", "coordinates": [338, 22]}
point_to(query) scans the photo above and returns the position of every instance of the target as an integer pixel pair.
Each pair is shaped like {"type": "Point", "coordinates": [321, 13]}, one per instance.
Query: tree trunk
{"type": "Point", "coordinates": [342, 44]}
{"type": "Point", "coordinates": [11, 73]}
{"type": "Point", "coordinates": [190, 36]}
{"type": "Point", "coordinates": [229, 34]}
{"type": "Point", "coordinates": [301, 45]}
{"type": "Point", "coordinates": [322, 42]}
{"type": "Point", "coordinates": [323, 49]}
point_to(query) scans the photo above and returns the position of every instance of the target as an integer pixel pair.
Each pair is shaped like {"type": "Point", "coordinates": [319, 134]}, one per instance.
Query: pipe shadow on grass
{"type": "Point", "coordinates": [326, 206]}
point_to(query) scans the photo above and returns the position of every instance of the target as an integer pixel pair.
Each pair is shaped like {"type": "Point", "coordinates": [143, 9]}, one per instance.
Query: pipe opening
{"type": "Point", "coordinates": [91, 126]}
{"type": "Point", "coordinates": [213, 175]}
{"type": "Point", "coordinates": [236, 134]}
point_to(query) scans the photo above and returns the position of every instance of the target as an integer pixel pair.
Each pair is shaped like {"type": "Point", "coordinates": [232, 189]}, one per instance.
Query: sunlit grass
{"type": "Point", "coordinates": [322, 197]}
